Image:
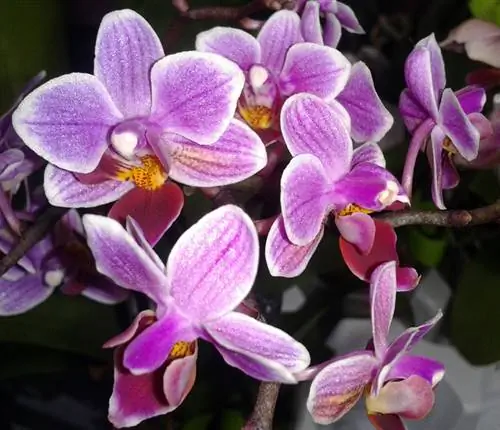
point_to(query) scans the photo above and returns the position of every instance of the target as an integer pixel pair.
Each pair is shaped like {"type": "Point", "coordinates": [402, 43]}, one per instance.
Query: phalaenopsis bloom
{"type": "Point", "coordinates": [326, 176]}
{"type": "Point", "coordinates": [140, 119]}
{"type": "Point", "coordinates": [443, 123]}
{"type": "Point", "coordinates": [209, 272]}
{"type": "Point", "coordinates": [278, 64]}
{"type": "Point", "coordinates": [395, 383]}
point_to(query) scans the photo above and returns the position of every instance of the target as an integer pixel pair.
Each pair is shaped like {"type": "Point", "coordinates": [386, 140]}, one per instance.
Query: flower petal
{"type": "Point", "coordinates": [407, 278]}
{"type": "Point", "coordinates": [419, 79]}
{"type": "Point", "coordinates": [434, 154]}
{"type": "Point", "coordinates": [238, 154]}
{"type": "Point", "coordinates": [436, 63]}
{"type": "Point", "coordinates": [314, 69]}
{"type": "Point", "coordinates": [383, 304]}
{"type": "Point", "coordinates": [66, 121]}
{"type": "Point", "coordinates": [194, 94]}
{"type": "Point", "coordinates": [370, 120]}
{"type": "Point", "coordinates": [310, 126]}
{"type": "Point", "coordinates": [278, 34]}
{"type": "Point", "coordinates": [155, 211]}
{"type": "Point", "coordinates": [103, 290]}
{"type": "Point", "coordinates": [358, 229]}
{"type": "Point", "coordinates": [386, 422]}
{"type": "Point", "coordinates": [283, 258]}
{"type": "Point", "coordinates": [150, 349]}
{"type": "Point", "coordinates": [411, 398]}
{"type": "Point", "coordinates": [348, 19]}
{"type": "Point", "coordinates": [232, 43]}
{"type": "Point", "coordinates": [450, 177]}
{"type": "Point", "coordinates": [457, 126]}
{"type": "Point", "coordinates": [310, 23]}
{"type": "Point", "coordinates": [304, 198]}
{"type": "Point", "coordinates": [471, 99]}
{"type": "Point", "coordinates": [247, 336]}
{"type": "Point", "coordinates": [62, 188]}
{"type": "Point", "coordinates": [430, 370]}
{"type": "Point", "coordinates": [136, 232]}
{"type": "Point", "coordinates": [142, 320]}
{"type": "Point", "coordinates": [179, 378]}
{"type": "Point", "coordinates": [412, 112]}
{"type": "Point", "coordinates": [337, 388]}
{"type": "Point", "coordinates": [369, 152]}
{"type": "Point", "coordinates": [332, 30]}
{"type": "Point", "coordinates": [23, 294]}
{"type": "Point", "coordinates": [213, 265]}
{"type": "Point", "coordinates": [126, 48]}
{"type": "Point", "coordinates": [120, 258]}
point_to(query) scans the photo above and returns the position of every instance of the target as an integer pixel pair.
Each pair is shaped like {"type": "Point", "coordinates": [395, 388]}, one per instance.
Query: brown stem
{"type": "Point", "coordinates": [32, 236]}
{"type": "Point", "coordinates": [451, 218]}
{"type": "Point", "coordinates": [231, 13]}
{"type": "Point", "coordinates": [263, 412]}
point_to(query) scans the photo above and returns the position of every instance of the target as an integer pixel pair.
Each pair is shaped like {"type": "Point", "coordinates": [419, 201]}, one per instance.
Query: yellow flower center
{"type": "Point", "coordinates": [449, 147]}
{"type": "Point", "coordinates": [182, 349]}
{"type": "Point", "coordinates": [150, 175]}
{"type": "Point", "coordinates": [258, 117]}
{"type": "Point", "coordinates": [352, 208]}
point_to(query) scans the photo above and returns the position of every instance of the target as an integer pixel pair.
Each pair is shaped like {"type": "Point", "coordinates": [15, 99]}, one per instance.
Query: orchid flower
{"type": "Point", "coordinates": [383, 250]}
{"type": "Point", "coordinates": [396, 384]}
{"type": "Point", "coordinates": [443, 123]}
{"type": "Point", "coordinates": [337, 15]}
{"type": "Point", "coordinates": [139, 119]}
{"type": "Point", "coordinates": [17, 161]}
{"type": "Point", "coordinates": [325, 176]}
{"type": "Point", "coordinates": [278, 64]}
{"type": "Point", "coordinates": [209, 272]}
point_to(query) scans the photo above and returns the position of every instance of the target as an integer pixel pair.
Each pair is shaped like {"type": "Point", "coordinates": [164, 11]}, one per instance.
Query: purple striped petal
{"type": "Point", "coordinates": [67, 121]}
{"type": "Point", "coordinates": [456, 125]}
{"type": "Point", "coordinates": [279, 33]}
{"type": "Point", "coordinates": [338, 387]}
{"type": "Point", "coordinates": [244, 335]}
{"type": "Point", "coordinates": [120, 258]}
{"type": "Point", "coordinates": [314, 69]}
{"type": "Point", "coordinates": [310, 23]}
{"type": "Point", "coordinates": [430, 370]}
{"type": "Point", "coordinates": [62, 188]}
{"type": "Point", "coordinates": [419, 79]}
{"type": "Point", "coordinates": [370, 120]}
{"type": "Point", "coordinates": [283, 258]}
{"type": "Point", "coordinates": [348, 19]}
{"type": "Point", "coordinates": [23, 294]}
{"type": "Point", "coordinates": [435, 153]}
{"type": "Point", "coordinates": [436, 63]}
{"type": "Point", "coordinates": [471, 99]}
{"type": "Point", "coordinates": [358, 229]}
{"type": "Point", "coordinates": [194, 94]}
{"type": "Point", "coordinates": [238, 154]}
{"type": "Point", "coordinates": [310, 126]}
{"type": "Point", "coordinates": [383, 303]}
{"type": "Point", "coordinates": [234, 44]}
{"type": "Point", "coordinates": [332, 30]}
{"type": "Point", "coordinates": [412, 398]}
{"type": "Point", "coordinates": [412, 112]}
{"type": "Point", "coordinates": [126, 48]}
{"type": "Point", "coordinates": [213, 265]}
{"type": "Point", "coordinates": [304, 198]}
{"type": "Point", "coordinates": [369, 152]}
{"type": "Point", "coordinates": [148, 351]}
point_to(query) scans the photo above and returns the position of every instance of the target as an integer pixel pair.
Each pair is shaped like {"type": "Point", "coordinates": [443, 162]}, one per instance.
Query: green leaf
{"type": "Point", "coordinates": [72, 324]}
{"type": "Point", "coordinates": [488, 10]}
{"type": "Point", "coordinates": [232, 420]}
{"type": "Point", "coordinates": [426, 248]}
{"type": "Point", "coordinates": [475, 319]}
{"type": "Point", "coordinates": [198, 423]}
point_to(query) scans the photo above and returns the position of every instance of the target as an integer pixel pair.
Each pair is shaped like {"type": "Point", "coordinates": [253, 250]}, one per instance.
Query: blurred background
{"type": "Point", "coordinates": [53, 372]}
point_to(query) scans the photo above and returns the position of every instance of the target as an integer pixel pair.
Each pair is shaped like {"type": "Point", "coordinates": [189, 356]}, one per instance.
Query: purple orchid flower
{"type": "Point", "coordinates": [209, 272]}
{"type": "Point", "coordinates": [17, 161]}
{"type": "Point", "coordinates": [443, 123]}
{"type": "Point", "coordinates": [278, 64]}
{"type": "Point", "coordinates": [337, 15]}
{"type": "Point", "coordinates": [396, 384]}
{"type": "Point", "coordinates": [139, 119]}
{"type": "Point", "coordinates": [325, 176]}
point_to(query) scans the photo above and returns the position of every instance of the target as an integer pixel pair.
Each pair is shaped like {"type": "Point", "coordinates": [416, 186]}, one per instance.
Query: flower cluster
{"type": "Point", "coordinates": [145, 123]}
